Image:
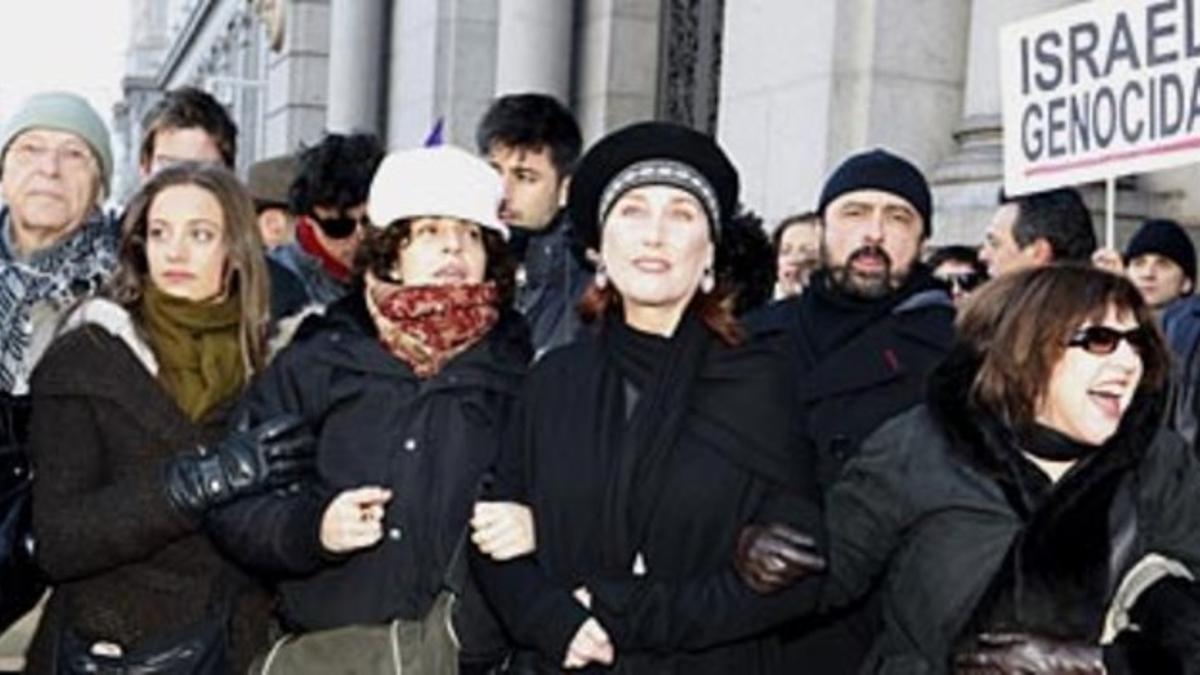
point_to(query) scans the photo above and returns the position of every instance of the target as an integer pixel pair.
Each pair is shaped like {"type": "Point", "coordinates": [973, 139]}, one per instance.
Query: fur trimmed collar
{"type": "Point", "coordinates": [1078, 535]}
{"type": "Point", "coordinates": [117, 321]}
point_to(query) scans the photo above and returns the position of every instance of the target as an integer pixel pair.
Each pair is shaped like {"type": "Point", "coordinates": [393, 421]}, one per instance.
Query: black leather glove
{"type": "Point", "coordinates": [1023, 654]}
{"type": "Point", "coordinates": [1168, 618]}
{"type": "Point", "coordinates": [772, 557]}
{"type": "Point", "coordinates": [276, 453]}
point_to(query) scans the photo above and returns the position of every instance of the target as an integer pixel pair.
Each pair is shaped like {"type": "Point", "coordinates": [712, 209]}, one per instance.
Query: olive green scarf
{"type": "Point", "coordinates": [196, 344]}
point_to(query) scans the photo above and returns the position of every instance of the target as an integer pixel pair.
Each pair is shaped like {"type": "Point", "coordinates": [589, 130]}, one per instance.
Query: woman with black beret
{"type": "Point", "coordinates": [646, 447]}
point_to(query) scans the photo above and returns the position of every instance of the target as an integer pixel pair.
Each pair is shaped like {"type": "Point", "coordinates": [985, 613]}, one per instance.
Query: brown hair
{"type": "Point", "coordinates": [246, 271]}
{"type": "Point", "coordinates": [188, 108]}
{"type": "Point", "coordinates": [807, 218]}
{"type": "Point", "coordinates": [381, 247]}
{"type": "Point", "coordinates": [714, 309]}
{"type": "Point", "coordinates": [1020, 324]}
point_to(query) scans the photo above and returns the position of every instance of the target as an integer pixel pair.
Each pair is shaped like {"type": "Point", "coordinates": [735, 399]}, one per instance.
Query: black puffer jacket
{"type": "Point", "coordinates": [429, 441]}
{"type": "Point", "coordinates": [954, 522]}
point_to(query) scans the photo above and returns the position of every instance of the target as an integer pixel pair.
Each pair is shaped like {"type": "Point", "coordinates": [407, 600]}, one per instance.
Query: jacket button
{"type": "Point", "coordinates": [410, 444]}
{"type": "Point", "coordinates": [395, 534]}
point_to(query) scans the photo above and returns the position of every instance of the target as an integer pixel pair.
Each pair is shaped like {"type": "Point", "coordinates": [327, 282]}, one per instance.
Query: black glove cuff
{"type": "Point", "coordinates": [195, 483]}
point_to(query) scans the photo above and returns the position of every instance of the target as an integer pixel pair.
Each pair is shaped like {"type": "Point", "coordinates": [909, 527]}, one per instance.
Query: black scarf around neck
{"type": "Point", "coordinates": [837, 316]}
{"type": "Point", "coordinates": [664, 372]}
{"type": "Point", "coordinates": [738, 400]}
{"type": "Point", "coordinates": [1073, 542]}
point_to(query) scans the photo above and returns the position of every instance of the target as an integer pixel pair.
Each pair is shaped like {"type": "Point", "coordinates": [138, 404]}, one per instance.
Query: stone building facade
{"type": "Point", "coordinates": [789, 88]}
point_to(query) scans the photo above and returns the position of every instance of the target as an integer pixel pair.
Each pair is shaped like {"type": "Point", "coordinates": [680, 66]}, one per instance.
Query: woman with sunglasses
{"type": "Point", "coordinates": [1034, 507]}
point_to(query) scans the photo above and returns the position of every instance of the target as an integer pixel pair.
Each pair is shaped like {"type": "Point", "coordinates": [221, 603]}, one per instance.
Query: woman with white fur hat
{"type": "Point", "coordinates": [409, 382]}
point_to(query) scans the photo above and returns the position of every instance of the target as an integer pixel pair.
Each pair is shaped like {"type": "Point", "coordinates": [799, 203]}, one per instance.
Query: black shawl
{"type": "Point", "coordinates": [733, 396]}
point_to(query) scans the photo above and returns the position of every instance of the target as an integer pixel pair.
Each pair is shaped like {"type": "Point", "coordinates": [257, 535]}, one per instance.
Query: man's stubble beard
{"type": "Point", "coordinates": [865, 287]}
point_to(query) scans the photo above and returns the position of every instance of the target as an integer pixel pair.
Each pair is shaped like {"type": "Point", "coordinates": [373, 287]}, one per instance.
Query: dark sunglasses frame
{"type": "Point", "coordinates": [965, 281]}
{"type": "Point", "coordinates": [340, 227]}
{"type": "Point", "coordinates": [1102, 340]}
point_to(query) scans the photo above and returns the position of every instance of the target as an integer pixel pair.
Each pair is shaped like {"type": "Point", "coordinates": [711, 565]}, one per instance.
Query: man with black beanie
{"type": "Point", "coordinates": [862, 339]}
{"type": "Point", "coordinates": [1161, 262]}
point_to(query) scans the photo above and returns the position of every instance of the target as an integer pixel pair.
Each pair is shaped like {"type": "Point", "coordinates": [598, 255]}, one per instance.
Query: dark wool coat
{"type": "Point", "coordinates": [942, 515]}
{"type": "Point", "coordinates": [844, 395]}
{"type": "Point", "coordinates": [125, 564]}
{"type": "Point", "coordinates": [689, 613]}
{"type": "Point", "coordinates": [429, 441]}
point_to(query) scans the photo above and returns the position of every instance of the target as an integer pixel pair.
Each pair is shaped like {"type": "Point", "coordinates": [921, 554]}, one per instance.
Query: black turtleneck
{"type": "Point", "coordinates": [833, 317]}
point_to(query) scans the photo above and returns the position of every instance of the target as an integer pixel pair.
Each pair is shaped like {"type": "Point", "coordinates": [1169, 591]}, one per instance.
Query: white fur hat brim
{"type": "Point", "coordinates": [441, 181]}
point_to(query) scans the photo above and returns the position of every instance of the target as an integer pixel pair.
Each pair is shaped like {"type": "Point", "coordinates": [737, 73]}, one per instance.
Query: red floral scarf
{"type": "Point", "coordinates": [426, 326]}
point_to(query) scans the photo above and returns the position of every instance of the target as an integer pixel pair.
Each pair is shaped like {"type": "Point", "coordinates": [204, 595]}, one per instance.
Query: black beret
{"type": "Point", "coordinates": [636, 143]}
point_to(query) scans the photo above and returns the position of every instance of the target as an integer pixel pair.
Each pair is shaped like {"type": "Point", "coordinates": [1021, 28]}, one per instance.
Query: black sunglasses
{"type": "Point", "coordinates": [340, 227]}
{"type": "Point", "coordinates": [1101, 340]}
{"type": "Point", "coordinates": [964, 281]}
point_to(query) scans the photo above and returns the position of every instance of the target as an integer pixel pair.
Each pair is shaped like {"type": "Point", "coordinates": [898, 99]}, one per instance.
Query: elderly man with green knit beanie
{"type": "Point", "coordinates": [56, 244]}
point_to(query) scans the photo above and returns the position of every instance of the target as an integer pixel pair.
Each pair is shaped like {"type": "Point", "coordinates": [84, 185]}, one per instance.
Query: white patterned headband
{"type": "Point", "coordinates": [664, 172]}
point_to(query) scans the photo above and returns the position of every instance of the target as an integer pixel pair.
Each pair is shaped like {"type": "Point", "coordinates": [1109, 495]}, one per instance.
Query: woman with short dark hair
{"type": "Point", "coordinates": [645, 448]}
{"type": "Point", "coordinates": [410, 381]}
{"type": "Point", "coordinates": [1034, 508]}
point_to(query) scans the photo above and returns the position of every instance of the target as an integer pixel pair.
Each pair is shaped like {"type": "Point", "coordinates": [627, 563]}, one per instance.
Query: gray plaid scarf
{"type": "Point", "coordinates": [72, 269]}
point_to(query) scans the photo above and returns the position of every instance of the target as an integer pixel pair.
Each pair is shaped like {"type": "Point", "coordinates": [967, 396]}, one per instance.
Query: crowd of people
{"type": "Point", "coordinates": [567, 409]}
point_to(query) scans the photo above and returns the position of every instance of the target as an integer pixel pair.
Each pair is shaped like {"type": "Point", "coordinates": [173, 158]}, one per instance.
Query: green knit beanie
{"type": "Point", "coordinates": [63, 111]}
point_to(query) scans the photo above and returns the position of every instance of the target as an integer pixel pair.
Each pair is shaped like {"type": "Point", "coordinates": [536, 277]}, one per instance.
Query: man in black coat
{"type": "Point", "coordinates": [534, 142]}
{"type": "Point", "coordinates": [862, 340]}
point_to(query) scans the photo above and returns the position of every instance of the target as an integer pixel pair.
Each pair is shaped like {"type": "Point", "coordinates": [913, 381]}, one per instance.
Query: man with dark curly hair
{"type": "Point", "coordinates": [329, 196]}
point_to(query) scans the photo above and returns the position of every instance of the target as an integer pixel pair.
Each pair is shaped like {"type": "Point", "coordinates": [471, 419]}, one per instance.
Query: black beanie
{"type": "Point", "coordinates": [881, 170]}
{"type": "Point", "coordinates": [1166, 238]}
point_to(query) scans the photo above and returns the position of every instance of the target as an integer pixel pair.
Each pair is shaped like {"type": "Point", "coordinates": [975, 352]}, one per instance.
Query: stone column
{"type": "Point", "coordinates": [441, 66]}
{"type": "Point", "coordinates": [533, 50]}
{"type": "Point", "coordinates": [356, 53]}
{"type": "Point", "coordinates": [859, 74]}
{"type": "Point", "coordinates": [618, 69]}
{"type": "Point", "coordinates": [298, 79]}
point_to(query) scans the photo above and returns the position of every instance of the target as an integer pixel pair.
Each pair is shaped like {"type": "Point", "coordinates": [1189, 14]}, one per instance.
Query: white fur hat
{"type": "Point", "coordinates": [439, 181]}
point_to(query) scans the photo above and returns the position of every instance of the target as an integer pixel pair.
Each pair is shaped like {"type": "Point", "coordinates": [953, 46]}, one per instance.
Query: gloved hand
{"type": "Point", "coordinates": [1023, 654]}
{"type": "Point", "coordinates": [1168, 617]}
{"type": "Point", "coordinates": [772, 557]}
{"type": "Point", "coordinates": [276, 453]}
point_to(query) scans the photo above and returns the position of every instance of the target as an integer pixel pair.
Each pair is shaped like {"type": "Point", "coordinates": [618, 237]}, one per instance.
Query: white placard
{"type": "Point", "coordinates": [1100, 89]}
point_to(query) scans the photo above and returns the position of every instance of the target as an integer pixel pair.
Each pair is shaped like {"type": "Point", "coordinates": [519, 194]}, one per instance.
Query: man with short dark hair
{"type": "Point", "coordinates": [186, 124]}
{"type": "Point", "coordinates": [870, 326]}
{"type": "Point", "coordinates": [329, 198]}
{"type": "Point", "coordinates": [1038, 229]}
{"type": "Point", "coordinates": [534, 142]}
